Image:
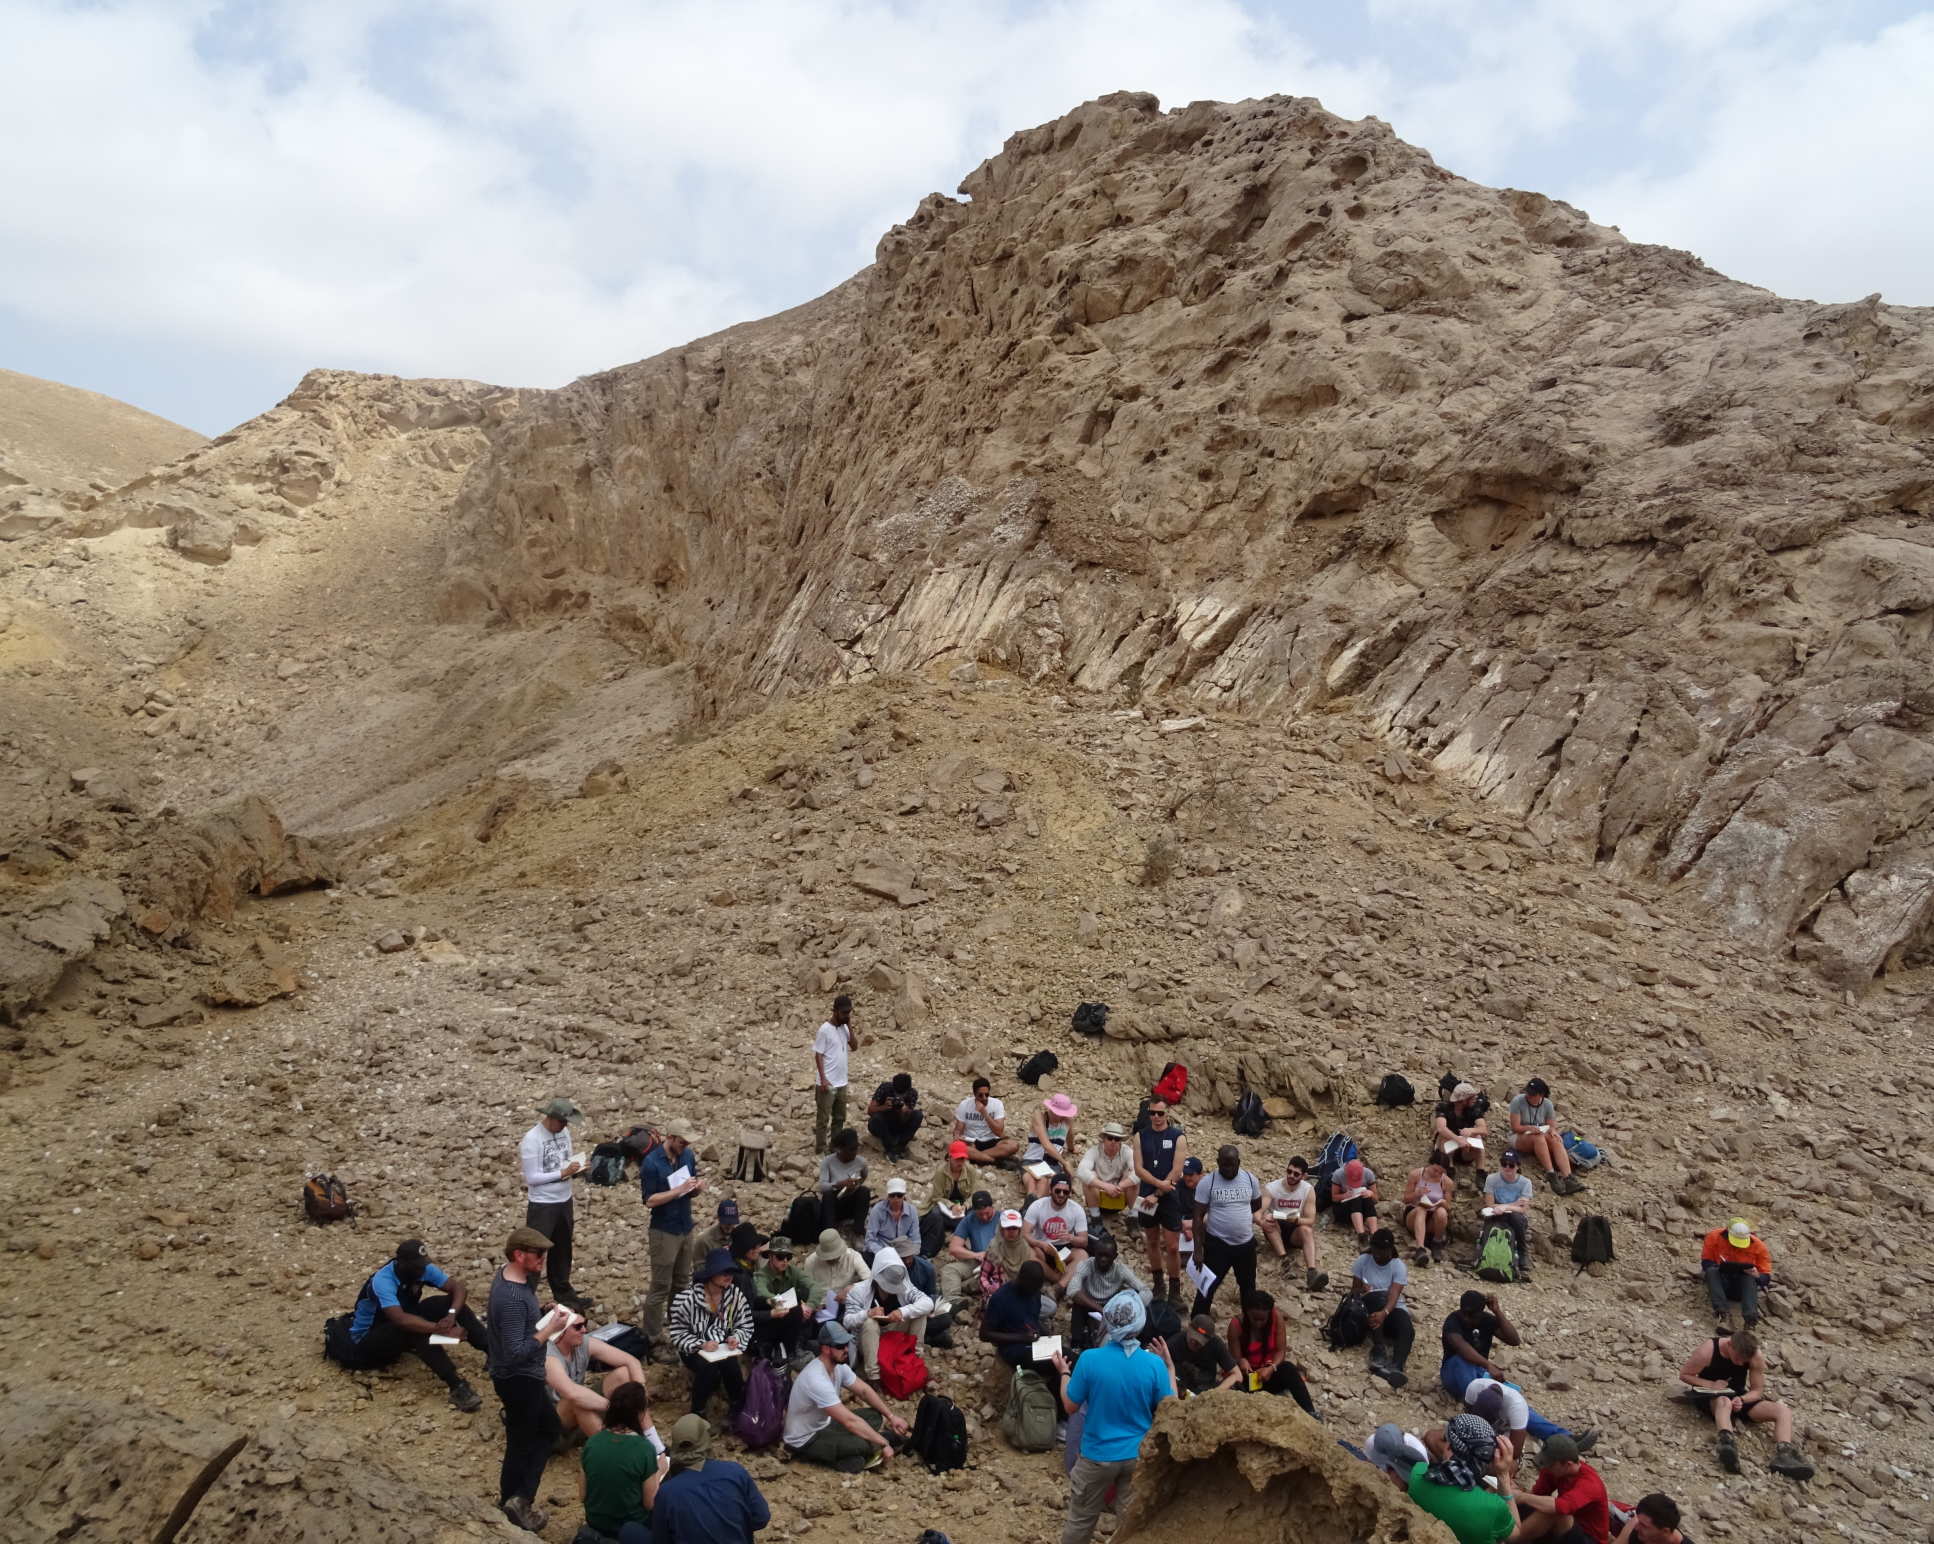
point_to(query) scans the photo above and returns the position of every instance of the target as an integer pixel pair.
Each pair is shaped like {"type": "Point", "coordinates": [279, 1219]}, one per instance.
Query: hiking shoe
{"type": "Point", "coordinates": [872, 1462]}
{"type": "Point", "coordinates": [583, 1302]}
{"type": "Point", "coordinates": [531, 1519]}
{"type": "Point", "coordinates": [1728, 1451]}
{"type": "Point", "coordinates": [465, 1398]}
{"type": "Point", "coordinates": [1175, 1289]}
{"type": "Point", "coordinates": [1786, 1460]}
{"type": "Point", "coordinates": [1394, 1376]}
{"type": "Point", "coordinates": [1421, 1257]}
{"type": "Point", "coordinates": [1315, 1281]}
{"type": "Point", "coordinates": [1586, 1440]}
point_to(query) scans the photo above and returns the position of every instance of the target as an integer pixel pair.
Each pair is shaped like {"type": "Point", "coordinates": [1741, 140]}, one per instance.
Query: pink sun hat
{"type": "Point", "coordinates": [1061, 1107]}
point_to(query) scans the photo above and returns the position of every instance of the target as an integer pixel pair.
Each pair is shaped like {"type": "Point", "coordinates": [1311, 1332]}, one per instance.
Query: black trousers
{"type": "Point", "coordinates": [386, 1342]}
{"type": "Point", "coordinates": [530, 1427]}
{"type": "Point", "coordinates": [709, 1377]}
{"type": "Point", "coordinates": [1390, 1345]}
{"type": "Point", "coordinates": [845, 1208]}
{"type": "Point", "coordinates": [895, 1130]}
{"type": "Point", "coordinates": [1224, 1258]}
{"type": "Point", "coordinates": [1287, 1379]}
{"type": "Point", "coordinates": [782, 1330]}
{"type": "Point", "coordinates": [557, 1221]}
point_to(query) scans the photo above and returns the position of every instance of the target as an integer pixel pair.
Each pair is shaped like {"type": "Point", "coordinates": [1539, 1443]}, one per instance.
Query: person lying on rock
{"type": "Point", "coordinates": [1535, 1134]}
{"type": "Point", "coordinates": [1260, 1342]}
{"type": "Point", "coordinates": [1426, 1210]}
{"type": "Point", "coordinates": [1727, 1375]}
{"type": "Point", "coordinates": [980, 1120]}
{"type": "Point", "coordinates": [393, 1319]}
{"type": "Point", "coordinates": [1737, 1267]}
{"type": "Point", "coordinates": [1459, 1129]}
{"type": "Point", "coordinates": [1288, 1221]}
{"type": "Point", "coordinates": [568, 1362]}
{"type": "Point", "coordinates": [1567, 1502]}
{"type": "Point", "coordinates": [1511, 1416]}
{"type": "Point", "coordinates": [1379, 1276]}
{"type": "Point", "coordinates": [1353, 1199]}
{"type": "Point", "coordinates": [821, 1428]}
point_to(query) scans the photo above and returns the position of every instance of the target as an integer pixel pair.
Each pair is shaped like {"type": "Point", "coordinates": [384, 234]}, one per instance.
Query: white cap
{"type": "Point", "coordinates": [1010, 1219]}
{"type": "Point", "coordinates": [896, 1187]}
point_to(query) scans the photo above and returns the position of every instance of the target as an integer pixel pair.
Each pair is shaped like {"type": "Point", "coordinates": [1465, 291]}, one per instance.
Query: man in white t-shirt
{"type": "Point", "coordinates": [1289, 1220]}
{"type": "Point", "coordinates": [1509, 1414]}
{"type": "Point", "coordinates": [832, 1046]}
{"type": "Point", "coordinates": [980, 1120]}
{"type": "Point", "coordinates": [1057, 1221]}
{"type": "Point", "coordinates": [1227, 1200]}
{"type": "Point", "coordinates": [548, 1165]}
{"type": "Point", "coordinates": [820, 1427]}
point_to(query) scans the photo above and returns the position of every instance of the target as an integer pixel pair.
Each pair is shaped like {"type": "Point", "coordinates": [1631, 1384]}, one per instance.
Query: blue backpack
{"type": "Point", "coordinates": [1338, 1151]}
{"type": "Point", "coordinates": [1583, 1154]}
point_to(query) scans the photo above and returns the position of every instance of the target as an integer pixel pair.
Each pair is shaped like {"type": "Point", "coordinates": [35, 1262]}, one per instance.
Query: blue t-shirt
{"type": "Point", "coordinates": [977, 1233]}
{"type": "Point", "coordinates": [1121, 1390]}
{"type": "Point", "coordinates": [1012, 1309]}
{"type": "Point", "coordinates": [1503, 1192]}
{"type": "Point", "coordinates": [654, 1175]}
{"type": "Point", "coordinates": [383, 1290]}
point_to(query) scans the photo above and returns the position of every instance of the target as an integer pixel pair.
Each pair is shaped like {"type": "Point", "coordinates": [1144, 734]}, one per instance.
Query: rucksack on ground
{"type": "Point", "coordinates": [802, 1221]}
{"type": "Point", "coordinates": [1497, 1254]}
{"type": "Point", "coordinates": [1395, 1091]}
{"type": "Point", "coordinates": [1091, 1019]}
{"type": "Point", "coordinates": [1250, 1118]}
{"type": "Point", "coordinates": [1583, 1154]}
{"type": "Point", "coordinates": [607, 1166]}
{"type": "Point", "coordinates": [1036, 1067]}
{"type": "Point", "coordinates": [749, 1163]}
{"type": "Point", "coordinates": [1028, 1421]}
{"type": "Point", "coordinates": [1173, 1085]}
{"type": "Point", "coordinates": [1350, 1324]}
{"type": "Point", "coordinates": [1591, 1242]}
{"type": "Point", "coordinates": [762, 1417]}
{"type": "Point", "coordinates": [325, 1200]}
{"type": "Point", "coordinates": [939, 1437]}
{"type": "Point", "coordinates": [1339, 1150]}
{"type": "Point", "coordinates": [903, 1371]}
{"type": "Point", "coordinates": [639, 1141]}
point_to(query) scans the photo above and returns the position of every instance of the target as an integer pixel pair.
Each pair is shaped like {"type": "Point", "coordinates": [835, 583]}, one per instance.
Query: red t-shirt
{"type": "Point", "coordinates": [1583, 1500]}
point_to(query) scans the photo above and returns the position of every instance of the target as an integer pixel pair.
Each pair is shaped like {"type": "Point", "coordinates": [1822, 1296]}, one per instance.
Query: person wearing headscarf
{"type": "Point", "coordinates": [1451, 1487]}
{"type": "Point", "coordinates": [886, 1300]}
{"type": "Point", "coordinates": [1118, 1387]}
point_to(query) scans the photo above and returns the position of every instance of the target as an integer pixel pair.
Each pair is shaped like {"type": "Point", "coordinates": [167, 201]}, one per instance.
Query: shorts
{"type": "Point", "coordinates": [1343, 1211]}
{"type": "Point", "coordinates": [987, 1147]}
{"type": "Point", "coordinates": [1167, 1213]}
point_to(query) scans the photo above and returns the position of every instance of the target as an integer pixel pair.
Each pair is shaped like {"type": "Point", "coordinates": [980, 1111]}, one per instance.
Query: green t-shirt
{"type": "Point", "coordinates": [616, 1466]}
{"type": "Point", "coordinates": [1477, 1516]}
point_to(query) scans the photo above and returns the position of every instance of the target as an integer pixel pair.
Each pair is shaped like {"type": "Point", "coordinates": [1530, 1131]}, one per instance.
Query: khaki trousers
{"type": "Point", "coordinates": [673, 1258]}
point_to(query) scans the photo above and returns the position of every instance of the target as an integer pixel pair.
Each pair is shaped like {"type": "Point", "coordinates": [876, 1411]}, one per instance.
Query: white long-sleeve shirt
{"type": "Point", "coordinates": [913, 1304]}
{"type": "Point", "coordinates": [543, 1156]}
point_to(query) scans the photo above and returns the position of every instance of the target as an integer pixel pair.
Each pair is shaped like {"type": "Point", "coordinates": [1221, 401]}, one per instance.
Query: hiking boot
{"type": "Point", "coordinates": [1786, 1460]}
{"type": "Point", "coordinates": [943, 1341]}
{"type": "Point", "coordinates": [464, 1397]}
{"type": "Point", "coordinates": [1421, 1257]}
{"type": "Point", "coordinates": [1175, 1289]}
{"type": "Point", "coordinates": [570, 1297]}
{"type": "Point", "coordinates": [531, 1518]}
{"type": "Point", "coordinates": [1728, 1450]}
{"type": "Point", "coordinates": [1315, 1280]}
{"type": "Point", "coordinates": [1586, 1440]}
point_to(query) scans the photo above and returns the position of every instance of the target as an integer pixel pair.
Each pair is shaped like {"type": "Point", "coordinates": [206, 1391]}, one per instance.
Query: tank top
{"type": "Point", "coordinates": [1253, 1347]}
{"type": "Point", "coordinates": [1158, 1152]}
{"type": "Point", "coordinates": [1057, 1134]}
{"type": "Point", "coordinates": [1720, 1369]}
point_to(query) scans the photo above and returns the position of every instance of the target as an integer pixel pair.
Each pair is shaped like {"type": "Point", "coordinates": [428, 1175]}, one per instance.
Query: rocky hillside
{"type": "Point", "coordinates": [1247, 405]}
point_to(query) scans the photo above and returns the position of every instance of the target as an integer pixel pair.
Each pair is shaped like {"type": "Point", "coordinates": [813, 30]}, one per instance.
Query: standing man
{"type": "Point", "coordinates": [673, 1251]}
{"type": "Point", "coordinates": [517, 1355]}
{"type": "Point", "coordinates": [1160, 1153]}
{"type": "Point", "coordinates": [549, 1167]}
{"type": "Point", "coordinates": [832, 1045]}
{"type": "Point", "coordinates": [1122, 1385]}
{"type": "Point", "coordinates": [1226, 1202]}
{"type": "Point", "coordinates": [705, 1500]}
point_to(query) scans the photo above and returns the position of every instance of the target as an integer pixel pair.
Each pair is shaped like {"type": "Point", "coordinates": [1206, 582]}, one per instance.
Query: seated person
{"type": "Point", "coordinates": [980, 1120]}
{"type": "Point", "coordinates": [1107, 1175]}
{"type": "Point", "coordinates": [1261, 1347]}
{"type": "Point", "coordinates": [1654, 1520]}
{"type": "Point", "coordinates": [886, 1300]}
{"type": "Point", "coordinates": [1510, 1415]}
{"type": "Point", "coordinates": [568, 1362]}
{"type": "Point", "coordinates": [1728, 1376]}
{"type": "Point", "coordinates": [1090, 1284]}
{"type": "Point", "coordinates": [712, 1315]}
{"type": "Point", "coordinates": [1050, 1140]}
{"type": "Point", "coordinates": [393, 1319]}
{"type": "Point", "coordinates": [893, 1115]}
{"type": "Point", "coordinates": [1379, 1276]}
{"type": "Point", "coordinates": [1014, 1318]}
{"type": "Point", "coordinates": [1468, 1335]}
{"type": "Point", "coordinates": [1288, 1220]}
{"type": "Point", "coordinates": [844, 1199]}
{"type": "Point", "coordinates": [1395, 1452]}
{"type": "Point", "coordinates": [892, 1223]}
{"type": "Point", "coordinates": [950, 1194]}
{"type": "Point", "coordinates": [621, 1469]}
{"type": "Point", "coordinates": [1451, 1486]}
{"type": "Point", "coordinates": [1055, 1222]}
{"type": "Point", "coordinates": [1459, 1128]}
{"type": "Point", "coordinates": [1426, 1210]}
{"type": "Point", "coordinates": [1507, 1196]}
{"type": "Point", "coordinates": [1203, 1361]}
{"type": "Point", "coordinates": [1006, 1253]}
{"type": "Point", "coordinates": [1737, 1267]}
{"type": "Point", "coordinates": [967, 1246]}
{"type": "Point", "coordinates": [718, 1234]}
{"type": "Point", "coordinates": [1535, 1134]}
{"type": "Point", "coordinates": [819, 1426]}
{"type": "Point", "coordinates": [834, 1267]}
{"type": "Point", "coordinates": [1567, 1501]}
{"type": "Point", "coordinates": [775, 1276]}
{"type": "Point", "coordinates": [705, 1500]}
{"type": "Point", "coordinates": [1353, 1198]}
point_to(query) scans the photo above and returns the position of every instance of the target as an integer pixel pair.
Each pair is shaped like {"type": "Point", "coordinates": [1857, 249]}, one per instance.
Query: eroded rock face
{"type": "Point", "coordinates": [1258, 408]}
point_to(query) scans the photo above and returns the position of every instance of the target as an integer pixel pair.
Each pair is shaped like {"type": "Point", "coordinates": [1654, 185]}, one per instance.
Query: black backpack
{"type": "Point", "coordinates": [1448, 1083]}
{"type": "Point", "coordinates": [1250, 1119]}
{"type": "Point", "coordinates": [1350, 1324]}
{"type": "Point", "coordinates": [607, 1166]}
{"type": "Point", "coordinates": [939, 1437]}
{"type": "Point", "coordinates": [1591, 1242]}
{"type": "Point", "coordinates": [1037, 1066]}
{"type": "Point", "coordinates": [802, 1222]}
{"type": "Point", "coordinates": [1395, 1090]}
{"type": "Point", "coordinates": [1091, 1019]}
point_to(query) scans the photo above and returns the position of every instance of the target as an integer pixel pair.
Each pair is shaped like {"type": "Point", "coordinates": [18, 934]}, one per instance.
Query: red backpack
{"type": "Point", "coordinates": [1173, 1084]}
{"type": "Point", "coordinates": [903, 1371]}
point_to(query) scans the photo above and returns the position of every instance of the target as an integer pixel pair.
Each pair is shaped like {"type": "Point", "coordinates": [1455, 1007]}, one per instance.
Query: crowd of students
{"type": "Point", "coordinates": [1058, 1297]}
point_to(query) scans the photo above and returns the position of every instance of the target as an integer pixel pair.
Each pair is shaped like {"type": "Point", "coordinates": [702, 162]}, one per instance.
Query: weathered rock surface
{"type": "Point", "coordinates": [1252, 406]}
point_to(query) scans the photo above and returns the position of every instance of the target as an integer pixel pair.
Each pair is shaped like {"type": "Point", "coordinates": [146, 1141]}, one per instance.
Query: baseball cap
{"type": "Point", "coordinates": [691, 1438]}
{"type": "Point", "coordinates": [682, 1129]}
{"type": "Point", "coordinates": [981, 1198]}
{"type": "Point", "coordinates": [896, 1186]}
{"type": "Point", "coordinates": [1010, 1219]}
{"type": "Point", "coordinates": [1738, 1233]}
{"type": "Point", "coordinates": [1201, 1327]}
{"type": "Point", "coordinates": [1510, 1156]}
{"type": "Point", "coordinates": [1395, 1451]}
{"type": "Point", "coordinates": [1489, 1408]}
{"type": "Point", "coordinates": [833, 1333]}
{"type": "Point", "coordinates": [1558, 1449]}
{"type": "Point", "coordinates": [527, 1238]}
{"type": "Point", "coordinates": [562, 1109]}
{"type": "Point", "coordinates": [957, 1149]}
{"type": "Point", "coordinates": [1192, 1166]}
{"type": "Point", "coordinates": [412, 1251]}
{"type": "Point", "coordinates": [728, 1215]}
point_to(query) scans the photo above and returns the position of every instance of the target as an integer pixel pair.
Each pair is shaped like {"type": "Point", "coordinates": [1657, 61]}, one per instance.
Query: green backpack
{"type": "Point", "coordinates": [1497, 1255]}
{"type": "Point", "coordinates": [1028, 1421]}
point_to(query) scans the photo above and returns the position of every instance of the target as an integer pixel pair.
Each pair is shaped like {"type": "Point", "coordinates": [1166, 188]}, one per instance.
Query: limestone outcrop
{"type": "Point", "coordinates": [1246, 406]}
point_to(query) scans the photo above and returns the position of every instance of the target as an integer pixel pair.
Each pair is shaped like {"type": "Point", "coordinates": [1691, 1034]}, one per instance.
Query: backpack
{"type": "Point", "coordinates": [1350, 1324]}
{"type": "Point", "coordinates": [1250, 1119]}
{"type": "Point", "coordinates": [1091, 1019]}
{"type": "Point", "coordinates": [1591, 1242]}
{"type": "Point", "coordinates": [762, 1417]}
{"type": "Point", "coordinates": [1029, 1419]}
{"type": "Point", "coordinates": [1339, 1150]}
{"type": "Point", "coordinates": [749, 1164]}
{"type": "Point", "coordinates": [802, 1221]}
{"type": "Point", "coordinates": [939, 1437]}
{"type": "Point", "coordinates": [1395, 1090]}
{"type": "Point", "coordinates": [1497, 1255]}
{"type": "Point", "coordinates": [1583, 1154]}
{"type": "Point", "coordinates": [639, 1141]}
{"type": "Point", "coordinates": [903, 1371]}
{"type": "Point", "coordinates": [1448, 1083]}
{"type": "Point", "coordinates": [1036, 1067]}
{"type": "Point", "coordinates": [325, 1200]}
{"type": "Point", "coordinates": [1173, 1085]}
{"type": "Point", "coordinates": [607, 1166]}
{"type": "Point", "coordinates": [336, 1344]}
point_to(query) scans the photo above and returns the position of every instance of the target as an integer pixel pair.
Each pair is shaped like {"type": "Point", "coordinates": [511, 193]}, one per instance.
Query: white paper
{"type": "Point", "coordinates": [723, 1354]}
{"type": "Point", "coordinates": [556, 1319]}
{"type": "Point", "coordinates": [1476, 1142]}
{"type": "Point", "coordinates": [1096, 1317]}
{"type": "Point", "coordinates": [1063, 1251]}
{"type": "Point", "coordinates": [952, 1212]}
{"type": "Point", "coordinates": [942, 1305]}
{"type": "Point", "coordinates": [1354, 1195]}
{"type": "Point", "coordinates": [1283, 1213]}
{"type": "Point", "coordinates": [1200, 1277]}
{"type": "Point", "coordinates": [678, 1176]}
{"type": "Point", "coordinates": [1145, 1206]}
{"type": "Point", "coordinates": [611, 1331]}
{"type": "Point", "coordinates": [1047, 1348]}
{"type": "Point", "coordinates": [444, 1340]}
{"type": "Point", "coordinates": [1040, 1170]}
{"type": "Point", "coordinates": [1489, 1211]}
{"type": "Point", "coordinates": [786, 1301]}
{"type": "Point", "coordinates": [1185, 1245]}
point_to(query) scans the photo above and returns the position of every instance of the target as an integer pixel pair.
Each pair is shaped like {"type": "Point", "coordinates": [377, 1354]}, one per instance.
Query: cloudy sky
{"type": "Point", "coordinates": [199, 200]}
